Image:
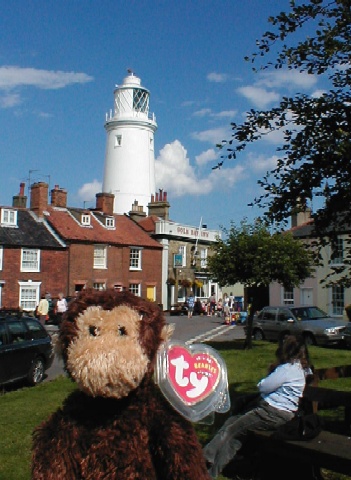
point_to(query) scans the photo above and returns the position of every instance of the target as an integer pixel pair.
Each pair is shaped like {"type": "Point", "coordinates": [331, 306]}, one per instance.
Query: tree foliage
{"type": "Point", "coordinates": [251, 255]}
{"type": "Point", "coordinates": [314, 158]}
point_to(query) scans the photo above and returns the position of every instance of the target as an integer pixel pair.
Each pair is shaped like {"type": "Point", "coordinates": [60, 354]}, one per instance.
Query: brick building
{"type": "Point", "coordinates": [32, 259]}
{"type": "Point", "coordinates": [185, 251]}
{"type": "Point", "coordinates": [78, 248]}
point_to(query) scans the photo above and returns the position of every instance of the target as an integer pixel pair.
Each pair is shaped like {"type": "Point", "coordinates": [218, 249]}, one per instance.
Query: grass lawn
{"type": "Point", "coordinates": [23, 409]}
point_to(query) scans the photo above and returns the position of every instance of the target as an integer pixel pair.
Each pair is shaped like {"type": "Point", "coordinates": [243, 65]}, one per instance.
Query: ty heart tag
{"type": "Point", "coordinates": [193, 379]}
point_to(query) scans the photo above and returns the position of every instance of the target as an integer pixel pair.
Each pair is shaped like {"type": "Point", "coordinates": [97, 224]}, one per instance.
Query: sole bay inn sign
{"type": "Point", "coordinates": [178, 230]}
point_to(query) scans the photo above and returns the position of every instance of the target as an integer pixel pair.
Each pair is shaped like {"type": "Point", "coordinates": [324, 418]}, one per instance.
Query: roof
{"type": "Point", "coordinates": [303, 230]}
{"type": "Point", "coordinates": [65, 222]}
{"type": "Point", "coordinates": [29, 232]}
{"type": "Point", "coordinates": [148, 223]}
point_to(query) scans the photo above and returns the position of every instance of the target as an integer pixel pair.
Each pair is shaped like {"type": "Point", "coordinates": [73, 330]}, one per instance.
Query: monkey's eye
{"type": "Point", "coordinates": [93, 331]}
{"type": "Point", "coordinates": [122, 330]}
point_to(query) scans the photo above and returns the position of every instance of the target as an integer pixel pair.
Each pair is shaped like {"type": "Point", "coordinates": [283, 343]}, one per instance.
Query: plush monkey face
{"type": "Point", "coordinates": [109, 341]}
{"type": "Point", "coordinates": [106, 357]}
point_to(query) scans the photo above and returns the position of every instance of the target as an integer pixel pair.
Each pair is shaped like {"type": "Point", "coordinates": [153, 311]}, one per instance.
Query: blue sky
{"type": "Point", "coordinates": [61, 59]}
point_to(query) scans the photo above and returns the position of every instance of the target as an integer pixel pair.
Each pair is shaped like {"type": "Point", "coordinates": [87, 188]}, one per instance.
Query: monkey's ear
{"type": "Point", "coordinates": [167, 332]}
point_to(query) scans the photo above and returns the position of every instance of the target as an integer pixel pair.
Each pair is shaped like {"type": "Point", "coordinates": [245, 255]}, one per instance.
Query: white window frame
{"type": "Point", "coordinates": [1, 256]}
{"type": "Point", "coordinates": [337, 254]}
{"type": "Point", "coordinates": [135, 288]}
{"type": "Point", "coordinates": [100, 256]}
{"type": "Point", "coordinates": [135, 258]}
{"type": "Point", "coordinates": [182, 252]}
{"type": "Point", "coordinates": [30, 264]}
{"type": "Point", "coordinates": [110, 222]}
{"type": "Point", "coordinates": [8, 217]}
{"type": "Point", "coordinates": [29, 295]}
{"type": "Point", "coordinates": [99, 286]}
{"type": "Point", "coordinates": [203, 257]}
{"type": "Point", "coordinates": [287, 296]}
{"type": "Point", "coordinates": [338, 299]}
{"type": "Point", "coordinates": [85, 219]}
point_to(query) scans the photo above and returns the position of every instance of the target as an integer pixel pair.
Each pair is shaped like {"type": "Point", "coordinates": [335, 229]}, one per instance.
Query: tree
{"type": "Point", "coordinates": [251, 255]}
{"type": "Point", "coordinates": [314, 159]}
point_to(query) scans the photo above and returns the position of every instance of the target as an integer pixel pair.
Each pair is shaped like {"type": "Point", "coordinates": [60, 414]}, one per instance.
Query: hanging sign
{"type": "Point", "coordinates": [193, 378]}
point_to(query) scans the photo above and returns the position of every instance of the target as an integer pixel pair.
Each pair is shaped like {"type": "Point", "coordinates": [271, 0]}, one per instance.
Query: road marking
{"type": "Point", "coordinates": [215, 332]}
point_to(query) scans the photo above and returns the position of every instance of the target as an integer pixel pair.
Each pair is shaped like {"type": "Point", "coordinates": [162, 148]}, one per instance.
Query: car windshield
{"type": "Point", "coordinates": [308, 313]}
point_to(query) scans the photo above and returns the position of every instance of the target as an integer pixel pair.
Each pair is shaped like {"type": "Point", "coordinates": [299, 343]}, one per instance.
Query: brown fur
{"type": "Point", "coordinates": [117, 425]}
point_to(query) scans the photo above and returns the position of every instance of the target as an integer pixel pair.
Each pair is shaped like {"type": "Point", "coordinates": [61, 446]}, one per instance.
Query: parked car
{"type": "Point", "coordinates": [309, 322]}
{"type": "Point", "coordinates": [347, 335]}
{"type": "Point", "coordinates": [179, 309]}
{"type": "Point", "coordinates": [26, 349]}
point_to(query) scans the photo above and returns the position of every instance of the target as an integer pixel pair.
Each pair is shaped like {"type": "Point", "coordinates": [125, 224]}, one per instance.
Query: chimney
{"type": "Point", "coordinates": [300, 215]}
{"type": "Point", "coordinates": [159, 205]}
{"type": "Point", "coordinates": [105, 202]}
{"type": "Point", "coordinates": [58, 197]}
{"type": "Point", "coordinates": [137, 212]}
{"type": "Point", "coordinates": [20, 200]}
{"type": "Point", "coordinates": [39, 198]}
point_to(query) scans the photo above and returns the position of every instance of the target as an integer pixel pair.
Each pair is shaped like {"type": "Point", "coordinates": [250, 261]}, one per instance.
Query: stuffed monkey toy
{"type": "Point", "coordinates": [117, 425]}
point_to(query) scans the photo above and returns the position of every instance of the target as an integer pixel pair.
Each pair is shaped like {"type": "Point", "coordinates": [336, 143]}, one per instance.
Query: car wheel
{"type": "Point", "coordinates": [258, 335]}
{"type": "Point", "coordinates": [36, 372]}
{"type": "Point", "coordinates": [309, 339]}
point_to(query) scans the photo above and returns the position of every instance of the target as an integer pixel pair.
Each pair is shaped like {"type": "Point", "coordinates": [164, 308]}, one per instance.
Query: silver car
{"type": "Point", "coordinates": [310, 323]}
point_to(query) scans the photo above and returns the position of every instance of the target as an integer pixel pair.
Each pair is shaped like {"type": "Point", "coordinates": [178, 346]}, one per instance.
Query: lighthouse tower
{"type": "Point", "coordinates": [129, 171]}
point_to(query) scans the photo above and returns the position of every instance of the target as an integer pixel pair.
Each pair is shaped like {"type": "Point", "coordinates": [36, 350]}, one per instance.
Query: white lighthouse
{"type": "Point", "coordinates": [129, 171]}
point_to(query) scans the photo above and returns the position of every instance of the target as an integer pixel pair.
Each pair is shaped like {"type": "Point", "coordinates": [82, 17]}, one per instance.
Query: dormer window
{"type": "Point", "coordinates": [85, 219]}
{"type": "Point", "coordinates": [110, 222]}
{"type": "Point", "coordinates": [8, 217]}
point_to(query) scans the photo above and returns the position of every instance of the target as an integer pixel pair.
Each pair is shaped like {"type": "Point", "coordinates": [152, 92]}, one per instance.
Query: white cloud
{"type": "Point", "coordinates": [10, 100]}
{"type": "Point", "coordinates": [215, 135]}
{"type": "Point", "coordinates": [202, 113]}
{"type": "Point", "coordinates": [14, 76]}
{"type": "Point", "coordinates": [217, 77]}
{"type": "Point", "coordinates": [260, 97]}
{"type": "Point", "coordinates": [261, 163]}
{"type": "Point", "coordinates": [207, 112]}
{"type": "Point", "coordinates": [287, 78]}
{"type": "Point", "coordinates": [88, 191]}
{"type": "Point", "coordinates": [175, 174]}
{"type": "Point", "coordinates": [318, 93]}
{"type": "Point", "coordinates": [209, 155]}
{"type": "Point", "coordinates": [225, 114]}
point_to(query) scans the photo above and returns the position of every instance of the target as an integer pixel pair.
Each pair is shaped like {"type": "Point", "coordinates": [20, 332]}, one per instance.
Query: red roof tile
{"type": "Point", "coordinates": [126, 232]}
{"type": "Point", "coordinates": [148, 223]}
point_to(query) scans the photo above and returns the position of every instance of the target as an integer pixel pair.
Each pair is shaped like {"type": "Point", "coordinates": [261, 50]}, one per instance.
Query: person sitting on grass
{"type": "Point", "coordinates": [278, 401]}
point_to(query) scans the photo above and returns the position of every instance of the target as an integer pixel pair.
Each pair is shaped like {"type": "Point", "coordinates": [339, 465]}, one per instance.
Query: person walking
{"type": "Point", "coordinates": [42, 309]}
{"type": "Point", "coordinates": [191, 304]}
{"type": "Point", "coordinates": [61, 307]}
{"type": "Point", "coordinates": [277, 402]}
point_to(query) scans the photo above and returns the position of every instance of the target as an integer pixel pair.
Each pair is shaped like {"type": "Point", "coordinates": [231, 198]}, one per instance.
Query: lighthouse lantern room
{"type": "Point", "coordinates": [129, 171]}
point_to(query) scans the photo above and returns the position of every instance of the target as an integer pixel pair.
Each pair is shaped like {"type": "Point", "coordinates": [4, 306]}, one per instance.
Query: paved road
{"type": "Point", "coordinates": [198, 329]}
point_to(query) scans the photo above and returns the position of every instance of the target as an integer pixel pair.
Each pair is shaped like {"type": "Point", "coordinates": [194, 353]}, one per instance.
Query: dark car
{"type": "Point", "coordinates": [179, 309]}
{"type": "Point", "coordinates": [26, 349]}
{"type": "Point", "coordinates": [308, 322]}
{"type": "Point", "coordinates": [347, 335]}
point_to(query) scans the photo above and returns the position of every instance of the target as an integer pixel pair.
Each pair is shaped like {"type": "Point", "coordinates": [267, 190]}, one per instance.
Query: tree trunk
{"type": "Point", "coordinates": [248, 339]}
{"type": "Point", "coordinates": [250, 316]}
